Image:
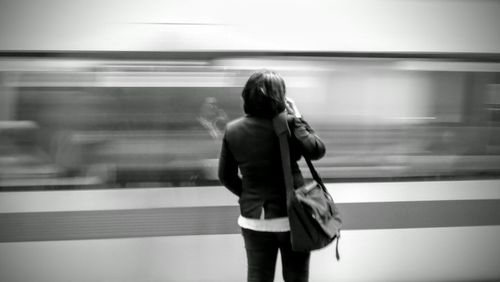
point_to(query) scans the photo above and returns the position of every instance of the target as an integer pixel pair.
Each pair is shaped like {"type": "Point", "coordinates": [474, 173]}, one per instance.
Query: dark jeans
{"type": "Point", "coordinates": [262, 251]}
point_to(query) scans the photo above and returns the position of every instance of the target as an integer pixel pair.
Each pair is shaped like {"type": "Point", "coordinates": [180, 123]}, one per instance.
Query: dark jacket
{"type": "Point", "coordinates": [251, 145]}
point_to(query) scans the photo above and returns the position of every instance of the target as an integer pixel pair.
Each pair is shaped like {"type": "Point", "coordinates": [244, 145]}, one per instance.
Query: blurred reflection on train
{"type": "Point", "coordinates": [413, 160]}
{"type": "Point", "coordinates": [102, 123]}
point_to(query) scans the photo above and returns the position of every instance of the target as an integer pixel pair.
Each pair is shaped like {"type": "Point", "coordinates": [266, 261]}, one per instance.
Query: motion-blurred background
{"type": "Point", "coordinates": [136, 94]}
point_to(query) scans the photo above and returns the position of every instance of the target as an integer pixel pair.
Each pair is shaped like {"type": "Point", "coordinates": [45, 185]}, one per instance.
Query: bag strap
{"type": "Point", "coordinates": [314, 173]}
{"type": "Point", "coordinates": [280, 126]}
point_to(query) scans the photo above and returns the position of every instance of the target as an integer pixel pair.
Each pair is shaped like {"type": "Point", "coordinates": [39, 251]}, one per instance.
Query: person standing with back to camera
{"type": "Point", "coordinates": [251, 145]}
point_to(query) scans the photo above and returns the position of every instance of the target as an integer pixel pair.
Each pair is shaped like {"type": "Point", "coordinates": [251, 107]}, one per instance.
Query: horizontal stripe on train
{"type": "Point", "coordinates": [148, 198]}
{"type": "Point", "coordinates": [78, 225]}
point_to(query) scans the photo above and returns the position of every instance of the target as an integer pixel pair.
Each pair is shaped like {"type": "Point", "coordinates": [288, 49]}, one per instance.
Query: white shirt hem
{"type": "Point", "coordinates": [280, 224]}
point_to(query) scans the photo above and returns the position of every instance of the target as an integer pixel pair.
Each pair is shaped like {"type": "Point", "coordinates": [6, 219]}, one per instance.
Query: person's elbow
{"type": "Point", "coordinates": [317, 151]}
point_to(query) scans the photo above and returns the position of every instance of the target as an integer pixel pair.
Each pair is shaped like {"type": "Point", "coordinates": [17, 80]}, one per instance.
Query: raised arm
{"type": "Point", "coordinates": [310, 144]}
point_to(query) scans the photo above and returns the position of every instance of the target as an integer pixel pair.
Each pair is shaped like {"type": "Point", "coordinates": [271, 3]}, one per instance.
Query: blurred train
{"type": "Point", "coordinates": [108, 164]}
{"type": "Point", "coordinates": [130, 123]}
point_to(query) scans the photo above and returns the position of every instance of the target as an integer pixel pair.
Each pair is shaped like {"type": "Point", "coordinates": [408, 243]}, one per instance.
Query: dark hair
{"type": "Point", "coordinates": [264, 94]}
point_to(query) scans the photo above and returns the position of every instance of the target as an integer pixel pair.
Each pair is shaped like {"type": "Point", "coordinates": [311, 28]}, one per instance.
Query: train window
{"type": "Point", "coordinates": [492, 109]}
{"type": "Point", "coordinates": [133, 136]}
{"type": "Point", "coordinates": [95, 124]}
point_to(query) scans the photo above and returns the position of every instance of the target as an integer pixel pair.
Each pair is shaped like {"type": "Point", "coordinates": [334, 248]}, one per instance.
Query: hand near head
{"type": "Point", "coordinates": [291, 107]}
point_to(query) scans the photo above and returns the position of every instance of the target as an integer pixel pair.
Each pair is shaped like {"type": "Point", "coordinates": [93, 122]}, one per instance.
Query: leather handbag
{"type": "Point", "coordinates": [315, 221]}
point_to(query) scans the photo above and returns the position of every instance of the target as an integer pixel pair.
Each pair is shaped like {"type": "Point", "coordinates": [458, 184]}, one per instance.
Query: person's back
{"type": "Point", "coordinates": [255, 148]}
{"type": "Point", "coordinates": [251, 146]}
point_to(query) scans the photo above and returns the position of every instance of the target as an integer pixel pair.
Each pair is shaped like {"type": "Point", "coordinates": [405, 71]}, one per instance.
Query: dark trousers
{"type": "Point", "coordinates": [262, 251]}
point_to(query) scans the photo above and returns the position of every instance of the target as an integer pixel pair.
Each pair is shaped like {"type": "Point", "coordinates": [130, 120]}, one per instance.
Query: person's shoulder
{"type": "Point", "coordinates": [247, 123]}
{"type": "Point", "coordinates": [235, 123]}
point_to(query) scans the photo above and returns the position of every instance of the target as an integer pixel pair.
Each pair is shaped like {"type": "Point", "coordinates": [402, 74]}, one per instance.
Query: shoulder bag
{"type": "Point", "coordinates": [315, 221]}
